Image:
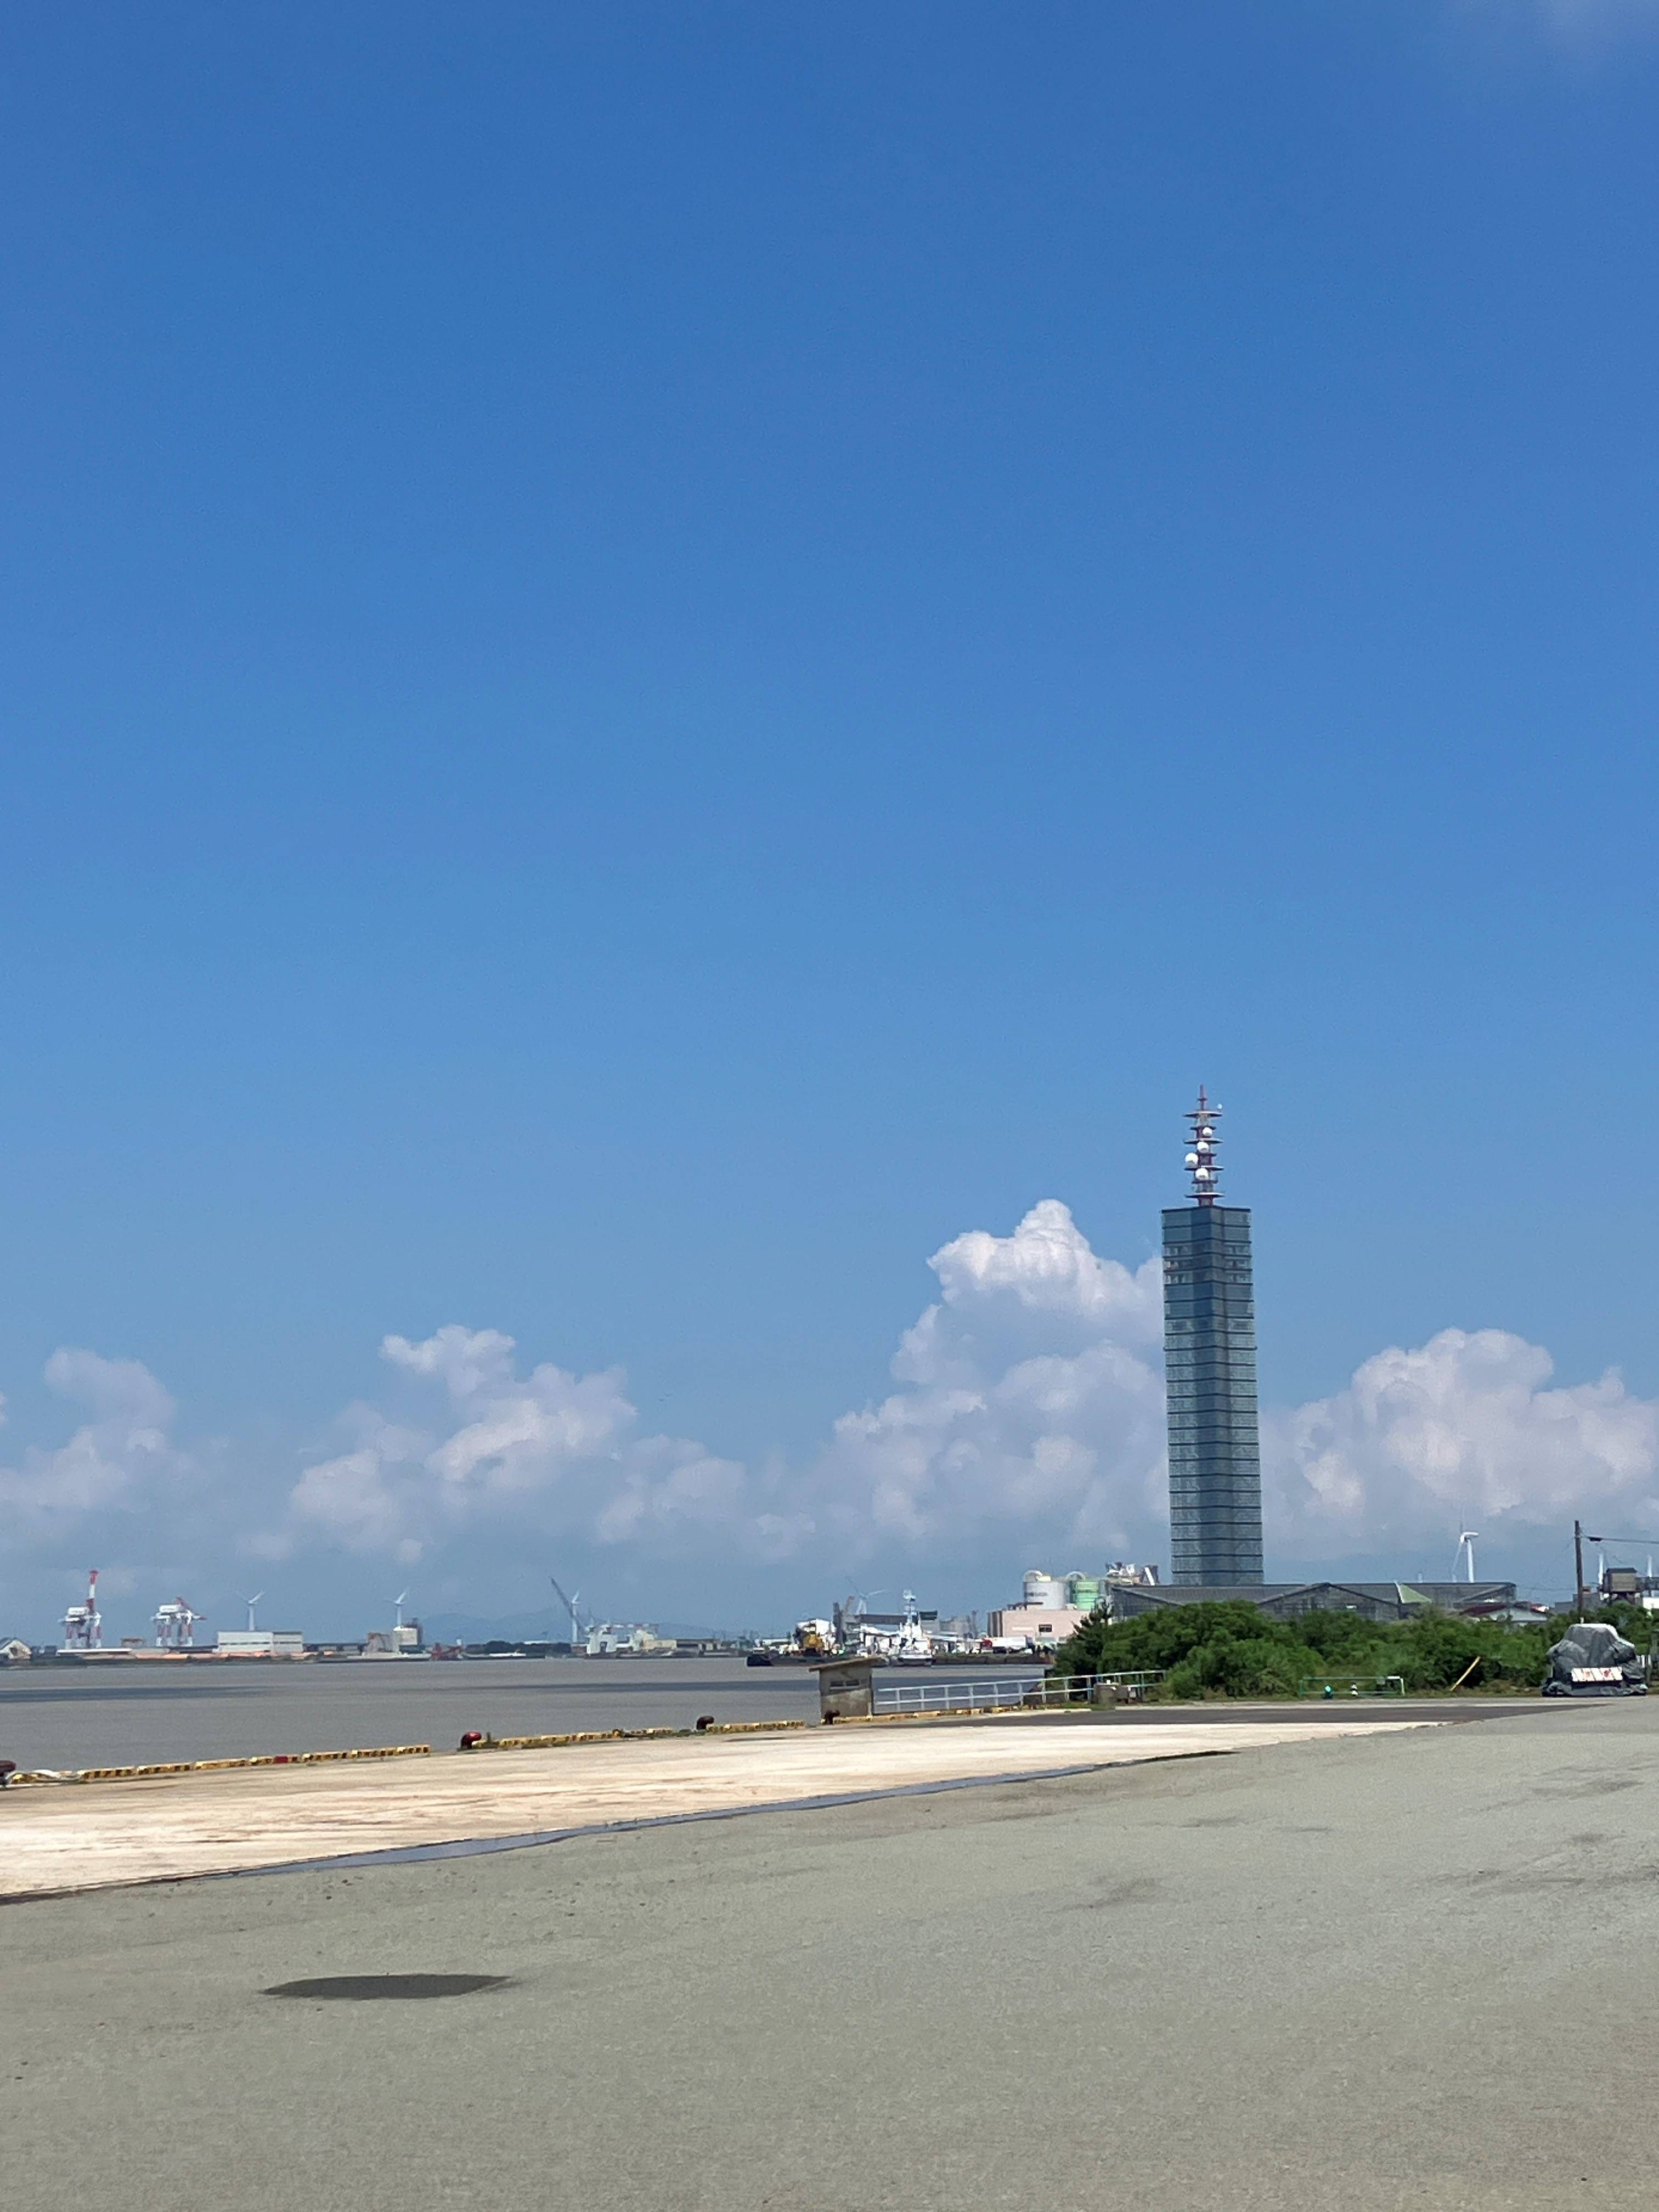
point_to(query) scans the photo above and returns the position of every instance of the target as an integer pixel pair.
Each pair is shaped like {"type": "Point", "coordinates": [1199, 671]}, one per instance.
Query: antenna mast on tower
{"type": "Point", "coordinates": [1203, 1143]}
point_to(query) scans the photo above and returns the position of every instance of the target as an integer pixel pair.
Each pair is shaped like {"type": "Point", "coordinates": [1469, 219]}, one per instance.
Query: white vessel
{"type": "Point", "coordinates": [626, 1639]}
{"type": "Point", "coordinates": [912, 1647]}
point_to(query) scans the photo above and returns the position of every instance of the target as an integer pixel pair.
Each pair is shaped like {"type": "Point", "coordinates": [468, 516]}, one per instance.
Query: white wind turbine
{"type": "Point", "coordinates": [398, 1603]}
{"type": "Point", "coordinates": [250, 1602]}
{"type": "Point", "coordinates": [1465, 1553]}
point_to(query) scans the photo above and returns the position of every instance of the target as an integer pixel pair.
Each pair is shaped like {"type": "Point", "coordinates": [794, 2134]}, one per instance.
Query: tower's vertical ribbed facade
{"type": "Point", "coordinates": [1209, 1358]}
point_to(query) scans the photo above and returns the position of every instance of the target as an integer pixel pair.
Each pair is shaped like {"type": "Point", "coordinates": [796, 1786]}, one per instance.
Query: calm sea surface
{"type": "Point", "coordinates": [134, 1715]}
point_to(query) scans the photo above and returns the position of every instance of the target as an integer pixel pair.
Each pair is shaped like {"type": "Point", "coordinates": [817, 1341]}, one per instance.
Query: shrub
{"type": "Point", "coordinates": [1232, 1650]}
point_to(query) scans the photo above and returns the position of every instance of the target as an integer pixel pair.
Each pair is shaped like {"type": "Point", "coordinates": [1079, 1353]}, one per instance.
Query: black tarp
{"type": "Point", "coordinates": [1594, 1644]}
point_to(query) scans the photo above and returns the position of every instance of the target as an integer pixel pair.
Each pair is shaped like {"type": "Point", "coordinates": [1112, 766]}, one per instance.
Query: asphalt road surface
{"type": "Point", "coordinates": [1403, 1971]}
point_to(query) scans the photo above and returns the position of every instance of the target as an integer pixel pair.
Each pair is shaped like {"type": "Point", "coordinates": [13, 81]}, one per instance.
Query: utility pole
{"type": "Point", "coordinates": [1578, 1543]}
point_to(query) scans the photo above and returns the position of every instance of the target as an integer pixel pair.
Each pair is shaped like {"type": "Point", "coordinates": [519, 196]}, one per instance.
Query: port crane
{"type": "Point", "coordinates": [176, 1623]}
{"type": "Point", "coordinates": [578, 1633]}
{"type": "Point", "coordinates": [83, 1625]}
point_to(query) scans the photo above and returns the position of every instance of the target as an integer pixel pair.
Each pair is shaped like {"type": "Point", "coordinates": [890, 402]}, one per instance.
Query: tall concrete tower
{"type": "Point", "coordinates": [1209, 1358]}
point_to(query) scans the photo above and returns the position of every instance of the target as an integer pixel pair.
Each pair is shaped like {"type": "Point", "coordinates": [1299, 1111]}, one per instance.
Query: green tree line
{"type": "Point", "coordinates": [1232, 1650]}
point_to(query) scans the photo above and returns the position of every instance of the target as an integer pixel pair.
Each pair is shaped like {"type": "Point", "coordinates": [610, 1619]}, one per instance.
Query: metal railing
{"type": "Point", "coordinates": [1350, 1685]}
{"type": "Point", "coordinates": [1035, 1693]}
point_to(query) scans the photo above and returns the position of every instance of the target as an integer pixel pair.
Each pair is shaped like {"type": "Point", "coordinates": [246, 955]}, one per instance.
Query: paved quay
{"type": "Point", "coordinates": [56, 1838]}
{"type": "Point", "coordinates": [1380, 1972]}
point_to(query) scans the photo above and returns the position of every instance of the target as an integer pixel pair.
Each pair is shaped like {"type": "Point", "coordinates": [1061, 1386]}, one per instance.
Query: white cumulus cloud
{"type": "Point", "coordinates": [549, 1448]}
{"type": "Point", "coordinates": [123, 1460]}
{"type": "Point", "coordinates": [1468, 1424]}
{"type": "Point", "coordinates": [1030, 1400]}
{"type": "Point", "coordinates": [1025, 1417]}
{"type": "Point", "coordinates": [1028, 1397]}
{"type": "Point", "coordinates": [1024, 1423]}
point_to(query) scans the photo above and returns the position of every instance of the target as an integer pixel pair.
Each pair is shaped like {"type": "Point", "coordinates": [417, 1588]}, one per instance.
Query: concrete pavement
{"type": "Point", "coordinates": [1399, 1970]}
{"type": "Point", "coordinates": [81, 1836]}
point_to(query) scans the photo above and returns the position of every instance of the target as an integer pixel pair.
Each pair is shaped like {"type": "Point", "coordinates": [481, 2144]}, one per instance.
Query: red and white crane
{"type": "Point", "coordinates": [176, 1625]}
{"type": "Point", "coordinates": [83, 1625]}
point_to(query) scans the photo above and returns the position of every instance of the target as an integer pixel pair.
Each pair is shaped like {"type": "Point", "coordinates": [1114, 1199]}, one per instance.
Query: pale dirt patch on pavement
{"type": "Point", "coordinates": [91, 1836]}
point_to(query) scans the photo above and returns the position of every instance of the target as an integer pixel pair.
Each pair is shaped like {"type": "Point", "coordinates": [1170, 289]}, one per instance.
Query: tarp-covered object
{"type": "Point", "coordinates": [1592, 1659]}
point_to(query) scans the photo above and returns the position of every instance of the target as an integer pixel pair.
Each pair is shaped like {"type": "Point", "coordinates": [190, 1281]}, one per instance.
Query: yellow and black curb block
{"type": "Point", "coordinates": [217, 1766]}
{"type": "Point", "coordinates": [475, 1743]}
{"type": "Point", "coordinates": [46, 1775]}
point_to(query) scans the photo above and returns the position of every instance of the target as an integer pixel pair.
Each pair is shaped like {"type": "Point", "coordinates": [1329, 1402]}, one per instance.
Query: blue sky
{"type": "Point", "coordinates": [656, 658]}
